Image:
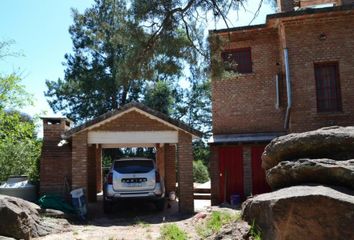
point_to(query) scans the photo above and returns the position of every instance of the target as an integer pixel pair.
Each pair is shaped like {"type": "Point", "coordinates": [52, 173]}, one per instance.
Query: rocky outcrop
{"type": "Point", "coordinates": [322, 171]}
{"type": "Point", "coordinates": [20, 219]}
{"type": "Point", "coordinates": [302, 212]}
{"type": "Point", "coordinates": [336, 143]}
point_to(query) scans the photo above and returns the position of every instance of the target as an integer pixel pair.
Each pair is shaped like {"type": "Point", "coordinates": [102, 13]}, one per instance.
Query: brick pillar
{"type": "Point", "coordinates": [99, 169]}
{"type": "Point", "coordinates": [79, 161]}
{"type": "Point", "coordinates": [55, 162]}
{"type": "Point", "coordinates": [170, 168]}
{"type": "Point", "coordinates": [185, 172]}
{"type": "Point", "coordinates": [247, 171]}
{"type": "Point", "coordinates": [160, 159]}
{"type": "Point", "coordinates": [214, 175]}
{"type": "Point", "coordinates": [91, 174]}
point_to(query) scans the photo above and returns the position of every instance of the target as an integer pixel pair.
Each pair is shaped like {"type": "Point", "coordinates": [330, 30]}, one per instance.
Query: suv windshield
{"type": "Point", "coordinates": [133, 166]}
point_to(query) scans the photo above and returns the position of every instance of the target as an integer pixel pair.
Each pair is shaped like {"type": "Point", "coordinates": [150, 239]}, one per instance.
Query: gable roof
{"type": "Point", "coordinates": [141, 108]}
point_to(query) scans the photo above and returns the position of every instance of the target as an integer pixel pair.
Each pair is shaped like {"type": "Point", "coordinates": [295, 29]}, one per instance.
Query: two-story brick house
{"type": "Point", "coordinates": [294, 73]}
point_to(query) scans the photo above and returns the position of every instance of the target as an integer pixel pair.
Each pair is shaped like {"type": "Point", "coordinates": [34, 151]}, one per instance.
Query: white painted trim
{"type": "Point", "coordinates": [131, 145]}
{"type": "Point", "coordinates": [132, 137]}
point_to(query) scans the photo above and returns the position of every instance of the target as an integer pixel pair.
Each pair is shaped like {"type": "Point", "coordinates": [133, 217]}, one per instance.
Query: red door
{"type": "Point", "coordinates": [231, 172]}
{"type": "Point", "coordinates": [259, 183]}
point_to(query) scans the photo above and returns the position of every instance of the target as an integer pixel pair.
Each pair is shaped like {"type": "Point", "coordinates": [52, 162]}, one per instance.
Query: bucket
{"type": "Point", "coordinates": [79, 202]}
{"type": "Point", "coordinates": [235, 199]}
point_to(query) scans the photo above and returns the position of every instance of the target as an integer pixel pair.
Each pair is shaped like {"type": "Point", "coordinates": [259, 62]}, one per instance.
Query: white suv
{"type": "Point", "coordinates": [133, 178]}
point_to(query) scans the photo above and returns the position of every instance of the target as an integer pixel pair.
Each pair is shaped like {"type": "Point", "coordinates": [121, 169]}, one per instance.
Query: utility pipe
{"type": "Point", "coordinates": [288, 88]}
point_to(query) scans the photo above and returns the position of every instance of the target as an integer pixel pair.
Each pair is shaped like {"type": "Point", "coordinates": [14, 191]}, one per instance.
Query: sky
{"type": "Point", "coordinates": [40, 31]}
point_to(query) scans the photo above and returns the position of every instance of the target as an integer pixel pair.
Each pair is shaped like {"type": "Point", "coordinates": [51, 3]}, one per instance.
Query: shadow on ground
{"type": "Point", "coordinates": [133, 212]}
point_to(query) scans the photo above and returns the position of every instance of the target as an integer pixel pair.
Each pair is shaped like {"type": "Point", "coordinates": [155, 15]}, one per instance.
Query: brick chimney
{"type": "Point", "coordinates": [286, 5]}
{"type": "Point", "coordinates": [55, 163]}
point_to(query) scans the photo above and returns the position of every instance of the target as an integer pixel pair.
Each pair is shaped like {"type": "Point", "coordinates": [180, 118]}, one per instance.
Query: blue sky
{"type": "Point", "coordinates": [40, 30]}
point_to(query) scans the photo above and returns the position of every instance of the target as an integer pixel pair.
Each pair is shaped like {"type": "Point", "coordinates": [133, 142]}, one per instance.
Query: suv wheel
{"type": "Point", "coordinates": [160, 204]}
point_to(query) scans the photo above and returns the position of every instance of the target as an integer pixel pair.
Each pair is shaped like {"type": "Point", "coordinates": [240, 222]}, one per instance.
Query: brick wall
{"type": "Point", "coordinates": [55, 164]}
{"type": "Point", "coordinates": [247, 103]}
{"type": "Point", "coordinates": [285, 5]}
{"type": "Point", "coordinates": [288, 5]}
{"type": "Point", "coordinates": [338, 46]}
{"type": "Point", "coordinates": [133, 121]}
{"type": "Point", "coordinates": [185, 172]}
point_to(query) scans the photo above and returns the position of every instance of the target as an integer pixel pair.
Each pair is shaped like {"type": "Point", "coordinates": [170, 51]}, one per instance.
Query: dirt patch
{"type": "Point", "coordinates": [131, 222]}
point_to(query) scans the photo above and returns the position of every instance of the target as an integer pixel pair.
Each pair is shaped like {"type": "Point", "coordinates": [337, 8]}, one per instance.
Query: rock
{"type": "Point", "coordinates": [323, 171]}
{"type": "Point", "coordinates": [200, 215]}
{"type": "Point", "coordinates": [20, 219]}
{"type": "Point", "coordinates": [52, 213]}
{"type": "Point", "coordinates": [302, 212]}
{"type": "Point", "coordinates": [239, 230]}
{"type": "Point", "coordinates": [6, 238]}
{"type": "Point", "coordinates": [331, 142]}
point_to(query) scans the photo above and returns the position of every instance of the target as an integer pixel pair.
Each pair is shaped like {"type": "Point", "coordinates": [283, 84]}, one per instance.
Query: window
{"type": "Point", "coordinates": [327, 87]}
{"type": "Point", "coordinates": [238, 60]}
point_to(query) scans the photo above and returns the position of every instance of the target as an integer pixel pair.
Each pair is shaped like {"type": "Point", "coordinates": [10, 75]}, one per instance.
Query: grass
{"type": "Point", "coordinates": [214, 223]}
{"type": "Point", "coordinates": [142, 224]}
{"type": "Point", "coordinates": [172, 232]}
{"type": "Point", "coordinates": [255, 232]}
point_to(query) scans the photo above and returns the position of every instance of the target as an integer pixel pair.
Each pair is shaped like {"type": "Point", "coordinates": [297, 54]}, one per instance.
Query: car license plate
{"type": "Point", "coordinates": [134, 184]}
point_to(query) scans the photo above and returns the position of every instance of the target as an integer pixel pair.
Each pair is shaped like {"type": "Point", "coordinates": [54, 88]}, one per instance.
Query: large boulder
{"type": "Point", "coordinates": [331, 142]}
{"type": "Point", "coordinates": [323, 171]}
{"type": "Point", "coordinates": [20, 219]}
{"type": "Point", "coordinates": [302, 212]}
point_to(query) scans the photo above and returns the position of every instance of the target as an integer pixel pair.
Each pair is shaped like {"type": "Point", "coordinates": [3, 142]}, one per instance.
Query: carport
{"type": "Point", "coordinates": [77, 152]}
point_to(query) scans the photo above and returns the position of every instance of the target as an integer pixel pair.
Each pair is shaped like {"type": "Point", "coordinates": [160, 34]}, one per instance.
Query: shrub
{"type": "Point", "coordinates": [172, 232]}
{"type": "Point", "coordinates": [200, 172]}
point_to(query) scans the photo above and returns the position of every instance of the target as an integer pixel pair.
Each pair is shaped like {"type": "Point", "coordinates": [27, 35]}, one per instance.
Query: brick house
{"type": "Point", "coordinates": [72, 156]}
{"type": "Point", "coordinates": [294, 73]}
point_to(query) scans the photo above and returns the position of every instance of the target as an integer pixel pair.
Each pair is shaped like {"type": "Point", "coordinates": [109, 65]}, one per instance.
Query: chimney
{"type": "Point", "coordinates": [55, 163]}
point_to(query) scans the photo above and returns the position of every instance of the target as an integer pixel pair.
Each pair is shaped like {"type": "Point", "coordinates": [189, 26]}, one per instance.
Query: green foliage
{"type": "Point", "coordinates": [19, 147]}
{"type": "Point", "coordinates": [255, 232]}
{"type": "Point", "coordinates": [214, 223]}
{"type": "Point", "coordinates": [138, 51]}
{"type": "Point", "coordinates": [200, 172]}
{"type": "Point", "coordinates": [12, 93]}
{"type": "Point", "coordinates": [159, 97]}
{"type": "Point", "coordinates": [201, 151]}
{"type": "Point", "coordinates": [172, 232]}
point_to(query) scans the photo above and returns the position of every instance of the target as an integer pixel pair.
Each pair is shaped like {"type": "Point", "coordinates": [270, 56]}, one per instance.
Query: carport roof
{"type": "Point", "coordinates": [130, 106]}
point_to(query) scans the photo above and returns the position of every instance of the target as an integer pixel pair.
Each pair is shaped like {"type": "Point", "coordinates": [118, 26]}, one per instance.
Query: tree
{"type": "Point", "coordinates": [109, 67]}
{"type": "Point", "coordinates": [19, 147]}
{"type": "Point", "coordinates": [158, 96]}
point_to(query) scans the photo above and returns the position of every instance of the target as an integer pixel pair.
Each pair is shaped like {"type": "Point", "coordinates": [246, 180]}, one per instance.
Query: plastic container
{"type": "Point", "coordinates": [18, 186]}
{"type": "Point", "coordinates": [235, 200]}
{"type": "Point", "coordinates": [79, 202]}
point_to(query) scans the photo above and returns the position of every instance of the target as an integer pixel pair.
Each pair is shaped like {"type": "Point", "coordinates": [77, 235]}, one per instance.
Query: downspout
{"type": "Point", "coordinates": [288, 88]}
{"type": "Point", "coordinates": [277, 99]}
